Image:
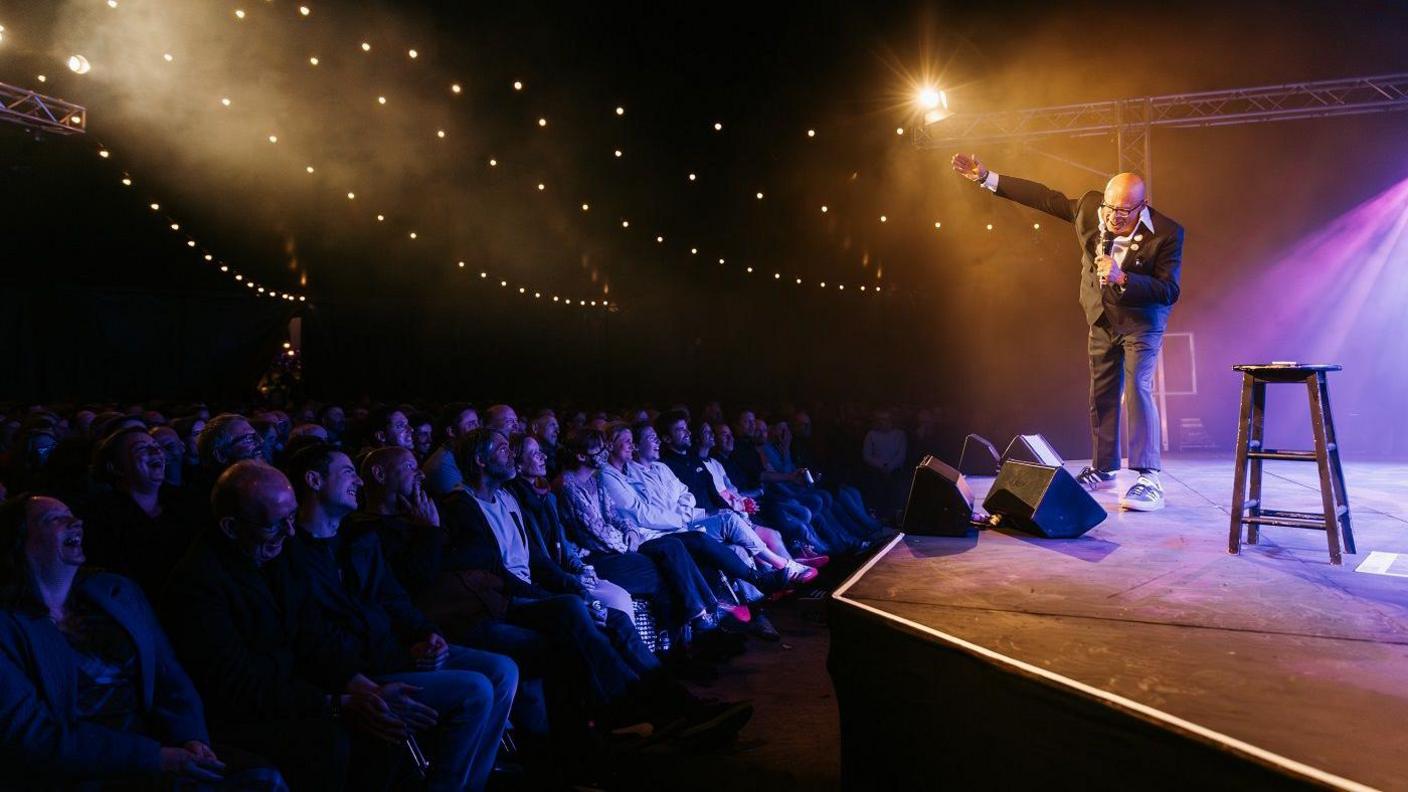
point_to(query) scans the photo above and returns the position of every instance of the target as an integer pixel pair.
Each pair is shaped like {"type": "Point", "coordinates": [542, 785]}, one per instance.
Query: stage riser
{"type": "Point", "coordinates": [920, 714]}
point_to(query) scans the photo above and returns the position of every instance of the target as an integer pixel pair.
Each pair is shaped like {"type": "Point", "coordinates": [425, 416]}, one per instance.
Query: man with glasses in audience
{"type": "Point", "coordinates": [1131, 256]}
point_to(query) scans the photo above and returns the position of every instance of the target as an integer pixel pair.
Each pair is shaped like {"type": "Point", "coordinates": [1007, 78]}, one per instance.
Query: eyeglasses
{"type": "Point", "coordinates": [1120, 211]}
{"type": "Point", "coordinates": [280, 527]}
{"type": "Point", "coordinates": [248, 439]}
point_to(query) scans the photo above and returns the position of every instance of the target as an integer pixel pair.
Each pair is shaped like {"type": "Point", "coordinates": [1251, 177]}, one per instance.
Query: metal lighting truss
{"type": "Point", "coordinates": [1131, 120]}
{"type": "Point", "coordinates": [39, 112]}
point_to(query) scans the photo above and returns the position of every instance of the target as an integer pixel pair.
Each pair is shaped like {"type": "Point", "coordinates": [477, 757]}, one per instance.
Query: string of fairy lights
{"type": "Point", "coordinates": [536, 184]}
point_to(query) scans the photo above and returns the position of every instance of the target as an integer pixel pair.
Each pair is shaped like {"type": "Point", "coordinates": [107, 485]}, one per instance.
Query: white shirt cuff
{"type": "Point", "coordinates": [990, 182]}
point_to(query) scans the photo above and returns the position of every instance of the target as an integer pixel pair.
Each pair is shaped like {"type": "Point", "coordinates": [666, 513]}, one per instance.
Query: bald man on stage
{"type": "Point", "coordinates": [1130, 259]}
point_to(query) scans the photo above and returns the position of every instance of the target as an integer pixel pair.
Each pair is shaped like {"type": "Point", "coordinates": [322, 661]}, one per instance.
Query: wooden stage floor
{"type": "Point", "coordinates": [1274, 655]}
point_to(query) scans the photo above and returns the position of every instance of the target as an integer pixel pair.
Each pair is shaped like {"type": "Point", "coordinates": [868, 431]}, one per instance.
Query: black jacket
{"type": "Point", "coordinates": [121, 538]}
{"type": "Point", "coordinates": [553, 560]}
{"type": "Point", "coordinates": [1147, 298]}
{"type": "Point", "coordinates": [411, 550]}
{"type": "Point", "coordinates": [358, 598]}
{"type": "Point", "coordinates": [254, 650]}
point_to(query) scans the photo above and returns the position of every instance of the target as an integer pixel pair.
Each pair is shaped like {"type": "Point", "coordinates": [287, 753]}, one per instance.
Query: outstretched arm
{"type": "Point", "coordinates": [1028, 193]}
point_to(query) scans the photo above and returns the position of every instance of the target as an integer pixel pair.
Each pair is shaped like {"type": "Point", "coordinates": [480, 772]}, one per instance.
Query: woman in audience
{"type": "Point", "coordinates": [556, 560]}
{"type": "Point", "coordinates": [660, 568]}
{"type": "Point", "coordinates": [90, 690]}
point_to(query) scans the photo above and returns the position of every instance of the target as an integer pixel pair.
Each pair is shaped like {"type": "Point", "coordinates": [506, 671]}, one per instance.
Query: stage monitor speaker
{"type": "Point", "coordinates": [1031, 448]}
{"type": "Point", "coordinates": [1042, 499]}
{"type": "Point", "coordinates": [979, 457]}
{"type": "Point", "coordinates": [940, 503]}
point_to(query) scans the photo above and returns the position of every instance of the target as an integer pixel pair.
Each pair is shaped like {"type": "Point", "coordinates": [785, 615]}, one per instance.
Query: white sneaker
{"type": "Point", "coordinates": [1146, 495]}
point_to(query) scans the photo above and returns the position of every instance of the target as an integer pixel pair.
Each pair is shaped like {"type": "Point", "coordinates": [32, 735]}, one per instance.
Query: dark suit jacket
{"type": "Point", "coordinates": [254, 649]}
{"type": "Point", "coordinates": [40, 734]}
{"type": "Point", "coordinates": [364, 606]}
{"type": "Point", "coordinates": [1144, 303]}
{"type": "Point", "coordinates": [470, 544]}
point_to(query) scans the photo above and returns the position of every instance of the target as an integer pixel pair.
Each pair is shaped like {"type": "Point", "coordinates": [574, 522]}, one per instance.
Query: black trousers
{"type": "Point", "coordinates": [1123, 363]}
{"type": "Point", "coordinates": [664, 571]}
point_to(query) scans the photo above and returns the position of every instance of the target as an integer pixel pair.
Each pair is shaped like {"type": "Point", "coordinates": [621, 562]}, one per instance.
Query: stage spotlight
{"type": "Point", "coordinates": [542, 122]}
{"type": "Point", "coordinates": [899, 130]}
{"type": "Point", "coordinates": [440, 133]}
{"type": "Point", "coordinates": [239, 13]}
{"type": "Point", "coordinates": [517, 85]}
{"type": "Point", "coordinates": [126, 182]}
{"type": "Point", "coordinates": [305, 10]}
{"type": "Point", "coordinates": [811, 133]}
{"type": "Point", "coordinates": [929, 98]}
{"type": "Point", "coordinates": [366, 46]}
{"type": "Point", "coordinates": [79, 64]}
{"type": "Point", "coordinates": [824, 210]}
{"type": "Point", "coordinates": [168, 57]}
{"type": "Point", "coordinates": [455, 88]}
{"type": "Point", "coordinates": [309, 168]}
{"type": "Point", "coordinates": [381, 100]}
{"type": "Point", "coordinates": [493, 162]}
{"type": "Point", "coordinates": [760, 196]}
{"type": "Point", "coordinates": [313, 60]}
{"type": "Point", "coordinates": [273, 138]}
{"type": "Point", "coordinates": [691, 177]}
{"type": "Point", "coordinates": [718, 127]}
{"type": "Point", "coordinates": [225, 101]}
{"type": "Point", "coordinates": [104, 154]}
{"type": "Point", "coordinates": [618, 153]}
{"type": "Point", "coordinates": [620, 111]}
{"type": "Point", "coordinates": [461, 264]}
{"type": "Point", "coordinates": [586, 207]}
{"type": "Point", "coordinates": [412, 54]}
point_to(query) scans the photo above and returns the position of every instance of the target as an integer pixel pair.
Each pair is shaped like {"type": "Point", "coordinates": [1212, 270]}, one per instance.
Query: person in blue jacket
{"type": "Point", "coordinates": [90, 691]}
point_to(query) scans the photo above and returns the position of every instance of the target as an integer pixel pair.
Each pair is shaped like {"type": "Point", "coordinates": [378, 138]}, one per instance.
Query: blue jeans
{"type": "Point", "coordinates": [472, 694]}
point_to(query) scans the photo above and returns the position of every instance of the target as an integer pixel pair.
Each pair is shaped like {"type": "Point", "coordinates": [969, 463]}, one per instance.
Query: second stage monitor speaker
{"type": "Point", "coordinates": [1043, 499]}
{"type": "Point", "coordinates": [940, 503]}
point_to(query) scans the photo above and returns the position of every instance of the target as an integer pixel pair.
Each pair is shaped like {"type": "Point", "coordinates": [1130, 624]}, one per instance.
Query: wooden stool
{"type": "Point", "coordinates": [1246, 498]}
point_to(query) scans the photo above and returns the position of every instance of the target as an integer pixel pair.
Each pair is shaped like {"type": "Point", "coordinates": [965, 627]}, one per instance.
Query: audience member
{"type": "Point", "coordinates": [90, 691]}
{"type": "Point", "coordinates": [460, 695]}
{"type": "Point", "coordinates": [137, 528]}
{"type": "Point", "coordinates": [442, 474]}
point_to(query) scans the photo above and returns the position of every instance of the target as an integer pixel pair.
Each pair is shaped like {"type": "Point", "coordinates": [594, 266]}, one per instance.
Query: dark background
{"type": "Point", "coordinates": [98, 299]}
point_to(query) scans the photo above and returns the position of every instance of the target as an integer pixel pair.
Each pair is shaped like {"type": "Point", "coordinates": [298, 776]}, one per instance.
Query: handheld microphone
{"type": "Point", "coordinates": [1102, 248]}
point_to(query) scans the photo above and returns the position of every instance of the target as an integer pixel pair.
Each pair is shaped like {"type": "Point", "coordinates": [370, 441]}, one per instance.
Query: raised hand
{"type": "Point", "coordinates": [969, 167]}
{"type": "Point", "coordinates": [420, 507]}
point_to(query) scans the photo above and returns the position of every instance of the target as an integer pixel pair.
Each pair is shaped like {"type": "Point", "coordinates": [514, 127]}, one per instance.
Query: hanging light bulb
{"type": "Point", "coordinates": [79, 64]}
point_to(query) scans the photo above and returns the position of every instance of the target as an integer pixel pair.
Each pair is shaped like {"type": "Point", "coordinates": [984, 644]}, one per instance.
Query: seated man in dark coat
{"type": "Point", "coordinates": [465, 694]}
{"type": "Point", "coordinates": [273, 677]}
{"type": "Point", "coordinates": [90, 690]}
{"type": "Point", "coordinates": [140, 528]}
